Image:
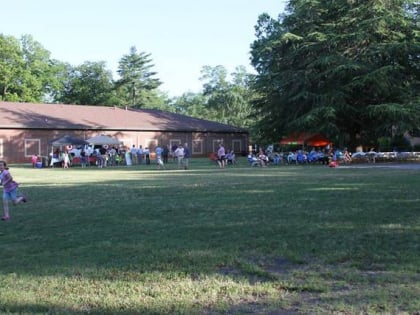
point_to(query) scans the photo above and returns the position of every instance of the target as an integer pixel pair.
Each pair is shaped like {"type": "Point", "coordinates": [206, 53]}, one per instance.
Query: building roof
{"type": "Point", "coordinates": [76, 117]}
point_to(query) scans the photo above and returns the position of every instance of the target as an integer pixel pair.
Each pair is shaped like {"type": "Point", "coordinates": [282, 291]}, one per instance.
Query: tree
{"type": "Point", "coordinates": [59, 85]}
{"type": "Point", "coordinates": [349, 69]}
{"type": "Point", "coordinates": [38, 75]}
{"type": "Point", "coordinates": [227, 102]}
{"type": "Point", "coordinates": [191, 104]}
{"type": "Point", "coordinates": [25, 70]}
{"type": "Point", "coordinates": [88, 84]}
{"type": "Point", "coordinates": [137, 84]}
{"type": "Point", "coordinates": [11, 64]}
{"type": "Point", "coordinates": [158, 100]}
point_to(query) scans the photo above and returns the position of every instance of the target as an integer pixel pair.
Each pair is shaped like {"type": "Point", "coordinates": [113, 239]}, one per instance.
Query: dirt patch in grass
{"type": "Point", "coordinates": [275, 269]}
{"type": "Point", "coordinates": [316, 288]}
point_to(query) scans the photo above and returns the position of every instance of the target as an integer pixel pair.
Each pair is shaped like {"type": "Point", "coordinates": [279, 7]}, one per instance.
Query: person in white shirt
{"type": "Point", "coordinates": [221, 156]}
{"type": "Point", "coordinates": [133, 152]}
{"type": "Point", "coordinates": [179, 153]}
{"type": "Point", "coordinates": [140, 155]}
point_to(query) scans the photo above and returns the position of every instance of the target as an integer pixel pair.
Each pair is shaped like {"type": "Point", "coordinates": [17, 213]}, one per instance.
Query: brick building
{"type": "Point", "coordinates": [27, 129]}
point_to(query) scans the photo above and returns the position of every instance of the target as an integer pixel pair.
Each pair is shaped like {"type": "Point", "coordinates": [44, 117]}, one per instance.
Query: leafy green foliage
{"type": "Point", "coordinates": [10, 63]}
{"type": "Point", "coordinates": [225, 98]}
{"type": "Point", "coordinates": [88, 84]}
{"type": "Point", "coordinates": [228, 102]}
{"type": "Point", "coordinates": [191, 104]}
{"type": "Point", "coordinates": [25, 70]}
{"type": "Point", "coordinates": [347, 69]}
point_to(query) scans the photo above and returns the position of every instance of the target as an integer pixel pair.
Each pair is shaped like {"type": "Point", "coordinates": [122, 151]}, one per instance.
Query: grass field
{"type": "Point", "coordinates": [275, 240]}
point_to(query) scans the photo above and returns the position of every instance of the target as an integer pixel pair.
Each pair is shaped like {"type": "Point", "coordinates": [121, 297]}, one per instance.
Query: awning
{"type": "Point", "coordinates": [103, 140]}
{"type": "Point", "coordinates": [297, 138]}
{"type": "Point", "coordinates": [67, 140]}
{"type": "Point", "coordinates": [309, 139]}
{"type": "Point", "coordinates": [317, 140]}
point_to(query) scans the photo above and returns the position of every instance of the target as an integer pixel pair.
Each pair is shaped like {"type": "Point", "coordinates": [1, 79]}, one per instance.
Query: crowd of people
{"type": "Point", "coordinates": [105, 156]}
{"type": "Point", "coordinates": [326, 156]}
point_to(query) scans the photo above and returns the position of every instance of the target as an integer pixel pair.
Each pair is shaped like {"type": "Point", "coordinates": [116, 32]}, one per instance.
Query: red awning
{"type": "Point", "coordinates": [317, 140]}
{"type": "Point", "coordinates": [301, 138]}
{"type": "Point", "coordinates": [297, 138]}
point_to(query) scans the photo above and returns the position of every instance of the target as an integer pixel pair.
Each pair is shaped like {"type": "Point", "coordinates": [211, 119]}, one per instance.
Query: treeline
{"type": "Point", "coordinates": [28, 74]}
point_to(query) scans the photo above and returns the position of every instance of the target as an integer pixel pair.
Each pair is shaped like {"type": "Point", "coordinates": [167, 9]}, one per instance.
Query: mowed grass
{"type": "Point", "coordinates": [285, 240]}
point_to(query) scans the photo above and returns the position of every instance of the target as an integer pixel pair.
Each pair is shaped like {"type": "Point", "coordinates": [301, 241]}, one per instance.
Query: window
{"type": "Point", "coordinates": [197, 146]}
{"type": "Point", "coordinates": [216, 144]}
{"type": "Point", "coordinates": [173, 142]}
{"type": "Point", "coordinates": [32, 147]}
{"type": "Point", "coordinates": [237, 145]}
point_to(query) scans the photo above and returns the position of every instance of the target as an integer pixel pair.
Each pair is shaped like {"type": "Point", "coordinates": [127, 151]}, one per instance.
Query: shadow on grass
{"type": "Point", "coordinates": [133, 226]}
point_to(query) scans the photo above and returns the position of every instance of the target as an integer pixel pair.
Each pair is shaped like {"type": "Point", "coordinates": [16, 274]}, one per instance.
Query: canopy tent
{"type": "Point", "coordinates": [67, 140]}
{"type": "Point", "coordinates": [301, 138]}
{"type": "Point", "coordinates": [295, 138]}
{"type": "Point", "coordinates": [317, 140]}
{"type": "Point", "coordinates": [103, 140]}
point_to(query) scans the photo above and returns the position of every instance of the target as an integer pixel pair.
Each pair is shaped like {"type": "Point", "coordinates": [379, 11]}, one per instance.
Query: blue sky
{"type": "Point", "coordinates": [182, 36]}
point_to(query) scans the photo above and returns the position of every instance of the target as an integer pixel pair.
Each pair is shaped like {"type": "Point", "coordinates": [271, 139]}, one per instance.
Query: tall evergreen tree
{"type": "Point", "coordinates": [137, 84]}
{"type": "Point", "coordinates": [349, 69]}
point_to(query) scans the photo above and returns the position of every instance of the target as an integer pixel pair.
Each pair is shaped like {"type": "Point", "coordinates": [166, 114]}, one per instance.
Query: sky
{"type": "Point", "coordinates": [181, 36]}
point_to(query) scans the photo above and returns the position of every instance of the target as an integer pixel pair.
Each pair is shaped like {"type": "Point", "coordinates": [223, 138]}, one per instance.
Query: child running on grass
{"type": "Point", "coordinates": [10, 190]}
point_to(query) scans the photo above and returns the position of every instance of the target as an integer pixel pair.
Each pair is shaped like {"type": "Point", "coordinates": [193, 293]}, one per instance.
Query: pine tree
{"type": "Point", "coordinates": [348, 69]}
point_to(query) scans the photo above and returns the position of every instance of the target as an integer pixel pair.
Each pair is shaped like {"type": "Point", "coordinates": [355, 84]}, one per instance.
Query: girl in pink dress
{"type": "Point", "coordinates": [10, 190]}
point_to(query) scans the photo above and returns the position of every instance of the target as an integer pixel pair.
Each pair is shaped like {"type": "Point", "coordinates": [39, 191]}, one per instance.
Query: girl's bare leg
{"type": "Point", "coordinates": [19, 200]}
{"type": "Point", "coordinates": [5, 208]}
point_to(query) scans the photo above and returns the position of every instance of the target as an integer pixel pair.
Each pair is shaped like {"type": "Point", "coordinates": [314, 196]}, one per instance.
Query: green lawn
{"type": "Point", "coordinates": [285, 240]}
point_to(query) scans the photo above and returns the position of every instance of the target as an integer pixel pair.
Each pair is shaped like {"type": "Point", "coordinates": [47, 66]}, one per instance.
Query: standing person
{"type": "Point", "coordinates": [128, 161]}
{"type": "Point", "coordinates": [133, 153]}
{"type": "Point", "coordinates": [112, 154]}
{"type": "Point", "coordinates": [34, 160]}
{"type": "Point", "coordinates": [173, 149]}
{"type": "Point", "coordinates": [221, 156]}
{"type": "Point", "coordinates": [104, 157]}
{"type": "Point", "coordinates": [10, 190]}
{"type": "Point", "coordinates": [140, 155]}
{"type": "Point", "coordinates": [187, 156]}
{"type": "Point", "coordinates": [165, 153]}
{"type": "Point", "coordinates": [98, 157]}
{"type": "Point", "coordinates": [83, 158]}
{"type": "Point", "coordinates": [159, 160]}
{"type": "Point", "coordinates": [146, 152]}
{"type": "Point", "coordinates": [66, 160]}
{"type": "Point", "coordinates": [179, 154]}
{"type": "Point", "coordinates": [158, 152]}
